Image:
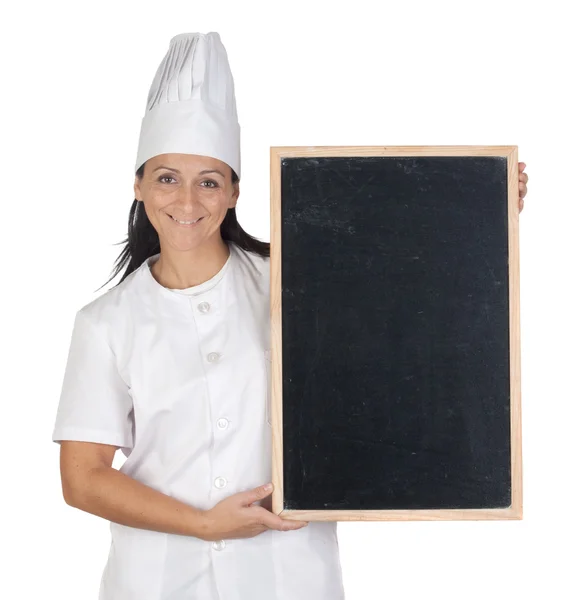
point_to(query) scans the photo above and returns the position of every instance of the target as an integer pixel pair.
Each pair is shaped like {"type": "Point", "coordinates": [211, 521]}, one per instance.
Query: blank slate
{"type": "Point", "coordinates": [395, 377]}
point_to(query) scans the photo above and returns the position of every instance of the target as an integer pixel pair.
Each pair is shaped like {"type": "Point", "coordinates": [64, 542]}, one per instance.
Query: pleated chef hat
{"type": "Point", "coordinates": [191, 104]}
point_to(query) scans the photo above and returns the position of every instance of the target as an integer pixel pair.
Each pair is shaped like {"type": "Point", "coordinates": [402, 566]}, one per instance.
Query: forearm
{"type": "Point", "coordinates": [112, 495]}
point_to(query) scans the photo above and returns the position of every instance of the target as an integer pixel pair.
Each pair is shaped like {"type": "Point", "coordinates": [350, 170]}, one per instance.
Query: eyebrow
{"type": "Point", "coordinates": [200, 172]}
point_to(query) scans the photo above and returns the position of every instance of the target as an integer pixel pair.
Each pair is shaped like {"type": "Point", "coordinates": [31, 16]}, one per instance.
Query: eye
{"type": "Point", "coordinates": [165, 177]}
{"type": "Point", "coordinates": [210, 181]}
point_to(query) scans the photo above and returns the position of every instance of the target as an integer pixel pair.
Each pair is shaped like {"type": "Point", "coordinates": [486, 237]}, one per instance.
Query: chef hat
{"type": "Point", "coordinates": [191, 104]}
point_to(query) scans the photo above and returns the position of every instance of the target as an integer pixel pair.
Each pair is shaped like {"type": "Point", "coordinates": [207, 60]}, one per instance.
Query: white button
{"type": "Point", "coordinates": [223, 423]}
{"type": "Point", "coordinates": [219, 545]}
{"type": "Point", "coordinates": [220, 482]}
{"type": "Point", "coordinates": [213, 356]}
{"type": "Point", "coordinates": [204, 307]}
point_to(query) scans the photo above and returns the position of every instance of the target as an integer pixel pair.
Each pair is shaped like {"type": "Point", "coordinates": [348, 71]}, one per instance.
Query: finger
{"type": "Point", "coordinates": [523, 177]}
{"type": "Point", "coordinates": [521, 166]}
{"type": "Point", "coordinates": [275, 522]}
{"type": "Point", "coordinates": [288, 525]}
{"type": "Point", "coordinates": [522, 190]}
{"type": "Point", "coordinates": [250, 496]}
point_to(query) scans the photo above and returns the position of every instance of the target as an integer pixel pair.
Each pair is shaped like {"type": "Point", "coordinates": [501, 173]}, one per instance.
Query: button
{"type": "Point", "coordinates": [204, 307]}
{"type": "Point", "coordinates": [219, 545]}
{"type": "Point", "coordinates": [222, 423]}
{"type": "Point", "coordinates": [213, 356]}
{"type": "Point", "coordinates": [220, 482]}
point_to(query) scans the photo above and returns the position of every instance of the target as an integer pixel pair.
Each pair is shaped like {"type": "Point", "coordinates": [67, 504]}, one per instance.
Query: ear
{"type": "Point", "coordinates": [137, 192]}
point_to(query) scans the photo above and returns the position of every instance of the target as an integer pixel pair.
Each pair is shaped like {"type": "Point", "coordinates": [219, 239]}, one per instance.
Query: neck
{"type": "Point", "coordinates": [180, 270]}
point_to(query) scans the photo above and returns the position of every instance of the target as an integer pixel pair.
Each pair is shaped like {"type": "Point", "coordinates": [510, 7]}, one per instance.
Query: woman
{"type": "Point", "coordinates": [172, 366]}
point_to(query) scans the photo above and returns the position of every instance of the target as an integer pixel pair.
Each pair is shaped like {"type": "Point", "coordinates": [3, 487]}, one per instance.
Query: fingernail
{"type": "Point", "coordinates": [268, 487]}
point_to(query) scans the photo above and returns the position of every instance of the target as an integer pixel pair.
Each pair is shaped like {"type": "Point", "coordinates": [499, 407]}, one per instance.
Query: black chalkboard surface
{"type": "Point", "coordinates": [395, 333]}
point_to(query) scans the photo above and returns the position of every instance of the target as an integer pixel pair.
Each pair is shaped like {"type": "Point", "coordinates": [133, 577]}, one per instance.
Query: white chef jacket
{"type": "Point", "coordinates": [180, 381]}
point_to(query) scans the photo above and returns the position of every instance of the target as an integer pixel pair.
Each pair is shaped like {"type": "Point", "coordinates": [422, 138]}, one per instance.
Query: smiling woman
{"type": "Point", "coordinates": [170, 366]}
{"type": "Point", "coordinates": [172, 191]}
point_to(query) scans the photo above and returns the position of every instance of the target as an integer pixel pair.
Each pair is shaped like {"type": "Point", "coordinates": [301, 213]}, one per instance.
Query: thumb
{"type": "Point", "coordinates": [257, 493]}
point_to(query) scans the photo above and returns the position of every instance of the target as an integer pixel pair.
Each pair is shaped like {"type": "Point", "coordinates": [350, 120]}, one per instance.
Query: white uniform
{"type": "Point", "coordinates": [179, 380]}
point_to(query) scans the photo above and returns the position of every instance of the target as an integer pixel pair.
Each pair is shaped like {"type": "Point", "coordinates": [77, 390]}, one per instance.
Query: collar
{"type": "Point", "coordinates": [154, 287]}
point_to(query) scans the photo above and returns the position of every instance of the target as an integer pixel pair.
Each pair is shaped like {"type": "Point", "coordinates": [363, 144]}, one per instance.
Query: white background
{"type": "Point", "coordinates": [74, 83]}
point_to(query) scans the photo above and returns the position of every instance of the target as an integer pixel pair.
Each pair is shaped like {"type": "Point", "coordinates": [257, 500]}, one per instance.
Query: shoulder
{"type": "Point", "coordinates": [112, 307]}
{"type": "Point", "coordinates": [253, 265]}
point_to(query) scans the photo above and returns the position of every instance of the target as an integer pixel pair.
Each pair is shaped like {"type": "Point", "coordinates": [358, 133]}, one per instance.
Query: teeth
{"type": "Point", "coordinates": [186, 222]}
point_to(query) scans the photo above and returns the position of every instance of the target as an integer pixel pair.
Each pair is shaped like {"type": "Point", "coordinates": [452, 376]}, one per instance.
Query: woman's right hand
{"type": "Point", "coordinates": [238, 517]}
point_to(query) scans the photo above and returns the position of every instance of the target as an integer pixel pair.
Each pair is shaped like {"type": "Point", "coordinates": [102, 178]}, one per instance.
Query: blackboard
{"type": "Point", "coordinates": [395, 333]}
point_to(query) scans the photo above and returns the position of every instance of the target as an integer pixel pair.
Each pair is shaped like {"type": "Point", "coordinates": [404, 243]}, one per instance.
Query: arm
{"type": "Point", "coordinates": [91, 484]}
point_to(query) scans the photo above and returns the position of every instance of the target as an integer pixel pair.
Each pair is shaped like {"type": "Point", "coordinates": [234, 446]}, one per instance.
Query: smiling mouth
{"type": "Point", "coordinates": [187, 223]}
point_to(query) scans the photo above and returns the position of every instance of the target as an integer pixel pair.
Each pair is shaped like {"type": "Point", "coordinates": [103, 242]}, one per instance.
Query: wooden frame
{"type": "Point", "coordinates": [515, 510]}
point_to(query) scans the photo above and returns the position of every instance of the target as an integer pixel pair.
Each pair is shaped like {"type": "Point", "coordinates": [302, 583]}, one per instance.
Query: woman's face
{"type": "Point", "coordinates": [186, 187]}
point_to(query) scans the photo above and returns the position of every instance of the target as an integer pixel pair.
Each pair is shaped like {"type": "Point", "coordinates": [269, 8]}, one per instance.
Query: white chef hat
{"type": "Point", "coordinates": [191, 104]}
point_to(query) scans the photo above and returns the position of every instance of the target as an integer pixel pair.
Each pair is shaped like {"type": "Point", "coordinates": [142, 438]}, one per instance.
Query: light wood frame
{"type": "Point", "coordinates": [515, 510]}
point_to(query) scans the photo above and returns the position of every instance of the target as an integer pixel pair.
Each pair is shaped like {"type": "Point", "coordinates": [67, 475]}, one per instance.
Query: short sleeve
{"type": "Point", "coordinates": [95, 403]}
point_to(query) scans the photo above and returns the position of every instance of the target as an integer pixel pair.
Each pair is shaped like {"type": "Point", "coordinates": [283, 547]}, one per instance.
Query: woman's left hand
{"type": "Point", "coordinates": [522, 184]}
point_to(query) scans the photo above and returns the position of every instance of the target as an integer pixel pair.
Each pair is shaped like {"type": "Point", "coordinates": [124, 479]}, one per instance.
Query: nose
{"type": "Point", "coordinates": [188, 199]}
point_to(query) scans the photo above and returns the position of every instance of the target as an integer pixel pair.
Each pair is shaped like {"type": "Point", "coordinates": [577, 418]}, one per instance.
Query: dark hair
{"type": "Point", "coordinates": [143, 242]}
